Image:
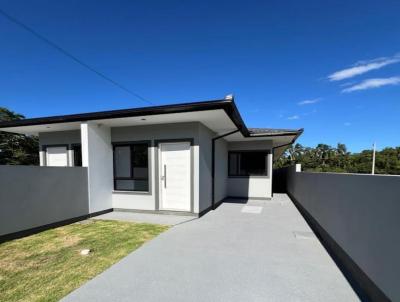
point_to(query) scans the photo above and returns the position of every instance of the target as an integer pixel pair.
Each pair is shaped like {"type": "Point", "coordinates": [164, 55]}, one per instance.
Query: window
{"type": "Point", "coordinates": [248, 163]}
{"type": "Point", "coordinates": [77, 155]}
{"type": "Point", "coordinates": [56, 156]}
{"type": "Point", "coordinates": [131, 167]}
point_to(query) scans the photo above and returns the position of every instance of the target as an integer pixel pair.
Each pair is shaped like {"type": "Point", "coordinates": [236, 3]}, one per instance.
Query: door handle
{"type": "Point", "coordinates": [165, 176]}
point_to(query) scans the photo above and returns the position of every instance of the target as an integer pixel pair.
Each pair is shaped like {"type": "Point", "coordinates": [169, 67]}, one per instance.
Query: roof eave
{"type": "Point", "coordinates": [227, 105]}
{"type": "Point", "coordinates": [297, 133]}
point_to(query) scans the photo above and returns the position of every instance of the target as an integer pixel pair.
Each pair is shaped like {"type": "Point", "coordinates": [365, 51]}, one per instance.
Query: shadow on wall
{"type": "Point", "coordinates": [236, 200]}
{"type": "Point", "coordinates": [279, 181]}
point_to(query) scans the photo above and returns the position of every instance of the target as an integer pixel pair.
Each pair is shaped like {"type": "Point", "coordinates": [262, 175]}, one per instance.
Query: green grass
{"type": "Point", "coordinates": [48, 265]}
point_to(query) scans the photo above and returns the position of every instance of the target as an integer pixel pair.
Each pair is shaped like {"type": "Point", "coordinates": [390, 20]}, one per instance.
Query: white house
{"type": "Point", "coordinates": [184, 157]}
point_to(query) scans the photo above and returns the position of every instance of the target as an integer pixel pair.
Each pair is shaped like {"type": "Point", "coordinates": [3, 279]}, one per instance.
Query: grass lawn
{"type": "Point", "coordinates": [48, 265]}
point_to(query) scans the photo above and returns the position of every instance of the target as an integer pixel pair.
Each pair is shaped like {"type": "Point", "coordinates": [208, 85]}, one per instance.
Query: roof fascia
{"type": "Point", "coordinates": [227, 105]}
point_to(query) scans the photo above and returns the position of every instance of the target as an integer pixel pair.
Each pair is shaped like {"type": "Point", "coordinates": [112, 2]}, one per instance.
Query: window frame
{"type": "Point", "coordinates": [74, 156]}
{"type": "Point", "coordinates": [131, 144]}
{"type": "Point", "coordinates": [266, 172]}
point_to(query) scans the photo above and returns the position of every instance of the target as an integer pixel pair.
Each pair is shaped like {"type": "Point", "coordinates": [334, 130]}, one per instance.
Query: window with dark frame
{"type": "Point", "coordinates": [248, 163]}
{"type": "Point", "coordinates": [131, 167]}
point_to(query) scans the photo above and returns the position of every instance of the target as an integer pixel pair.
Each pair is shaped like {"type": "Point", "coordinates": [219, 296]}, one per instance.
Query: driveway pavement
{"type": "Point", "coordinates": [259, 251]}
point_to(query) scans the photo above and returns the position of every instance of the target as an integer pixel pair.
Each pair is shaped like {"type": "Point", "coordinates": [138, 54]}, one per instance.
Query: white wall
{"type": "Point", "coordinates": [196, 177]}
{"type": "Point", "coordinates": [42, 158]}
{"type": "Point", "coordinates": [97, 155]}
{"type": "Point", "coordinates": [252, 186]}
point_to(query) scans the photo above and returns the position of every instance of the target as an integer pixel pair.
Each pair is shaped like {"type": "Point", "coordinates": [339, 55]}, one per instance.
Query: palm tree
{"type": "Point", "coordinates": [323, 153]}
{"type": "Point", "coordinates": [295, 152]}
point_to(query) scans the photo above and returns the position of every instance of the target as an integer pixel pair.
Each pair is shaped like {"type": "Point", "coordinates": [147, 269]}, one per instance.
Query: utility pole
{"type": "Point", "coordinates": [373, 158]}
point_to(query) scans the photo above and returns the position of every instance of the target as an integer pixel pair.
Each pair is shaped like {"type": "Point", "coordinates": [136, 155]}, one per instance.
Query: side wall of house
{"type": "Point", "coordinates": [252, 186]}
{"type": "Point", "coordinates": [148, 200]}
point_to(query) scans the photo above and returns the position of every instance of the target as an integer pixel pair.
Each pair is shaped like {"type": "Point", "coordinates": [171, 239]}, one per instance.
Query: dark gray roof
{"type": "Point", "coordinates": [272, 132]}
{"type": "Point", "coordinates": [227, 105]}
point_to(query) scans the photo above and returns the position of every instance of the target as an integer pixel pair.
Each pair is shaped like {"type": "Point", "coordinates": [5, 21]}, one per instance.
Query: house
{"type": "Point", "coordinates": [184, 157]}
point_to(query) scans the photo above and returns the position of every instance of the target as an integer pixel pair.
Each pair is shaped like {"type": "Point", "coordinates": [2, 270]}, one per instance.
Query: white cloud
{"type": "Point", "coordinates": [309, 101]}
{"type": "Point", "coordinates": [347, 124]}
{"type": "Point", "coordinates": [293, 117]}
{"type": "Point", "coordinates": [363, 67]}
{"type": "Point", "coordinates": [373, 83]}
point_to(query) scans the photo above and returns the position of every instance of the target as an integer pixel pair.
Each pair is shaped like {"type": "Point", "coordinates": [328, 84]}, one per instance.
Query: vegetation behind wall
{"type": "Point", "coordinates": [17, 149]}
{"type": "Point", "coordinates": [325, 158]}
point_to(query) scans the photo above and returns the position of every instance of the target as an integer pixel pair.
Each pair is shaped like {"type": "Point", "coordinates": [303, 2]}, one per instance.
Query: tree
{"type": "Point", "coordinates": [17, 149]}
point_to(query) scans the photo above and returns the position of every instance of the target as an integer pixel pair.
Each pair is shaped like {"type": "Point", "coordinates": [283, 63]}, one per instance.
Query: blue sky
{"type": "Point", "coordinates": [332, 67]}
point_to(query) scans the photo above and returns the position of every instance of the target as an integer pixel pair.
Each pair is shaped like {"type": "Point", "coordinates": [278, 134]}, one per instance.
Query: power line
{"type": "Point", "coordinates": [71, 56]}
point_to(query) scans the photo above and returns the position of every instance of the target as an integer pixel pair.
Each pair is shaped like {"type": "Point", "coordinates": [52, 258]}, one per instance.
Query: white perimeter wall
{"type": "Point", "coordinates": [252, 186]}
{"type": "Point", "coordinates": [97, 155]}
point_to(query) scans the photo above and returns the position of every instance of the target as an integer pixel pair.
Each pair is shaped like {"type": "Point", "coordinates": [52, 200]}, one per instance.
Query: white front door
{"type": "Point", "coordinates": [56, 156]}
{"type": "Point", "coordinates": [175, 176]}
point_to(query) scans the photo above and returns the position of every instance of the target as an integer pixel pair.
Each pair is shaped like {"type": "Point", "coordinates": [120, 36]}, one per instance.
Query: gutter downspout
{"type": "Point", "coordinates": [213, 165]}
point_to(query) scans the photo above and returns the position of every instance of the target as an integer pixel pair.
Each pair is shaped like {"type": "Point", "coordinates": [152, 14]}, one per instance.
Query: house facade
{"type": "Point", "coordinates": [181, 158]}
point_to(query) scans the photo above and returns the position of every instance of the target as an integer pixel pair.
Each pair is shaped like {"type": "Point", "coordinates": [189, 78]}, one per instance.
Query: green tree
{"type": "Point", "coordinates": [17, 149]}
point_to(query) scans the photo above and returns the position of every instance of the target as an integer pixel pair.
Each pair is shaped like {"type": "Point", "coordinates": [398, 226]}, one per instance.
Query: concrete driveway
{"type": "Point", "coordinates": [259, 251]}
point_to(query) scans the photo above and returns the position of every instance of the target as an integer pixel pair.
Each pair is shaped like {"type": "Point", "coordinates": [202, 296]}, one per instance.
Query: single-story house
{"type": "Point", "coordinates": [183, 157]}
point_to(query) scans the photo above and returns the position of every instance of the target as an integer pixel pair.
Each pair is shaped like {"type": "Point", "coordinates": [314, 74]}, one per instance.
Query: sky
{"type": "Point", "coordinates": [330, 67]}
